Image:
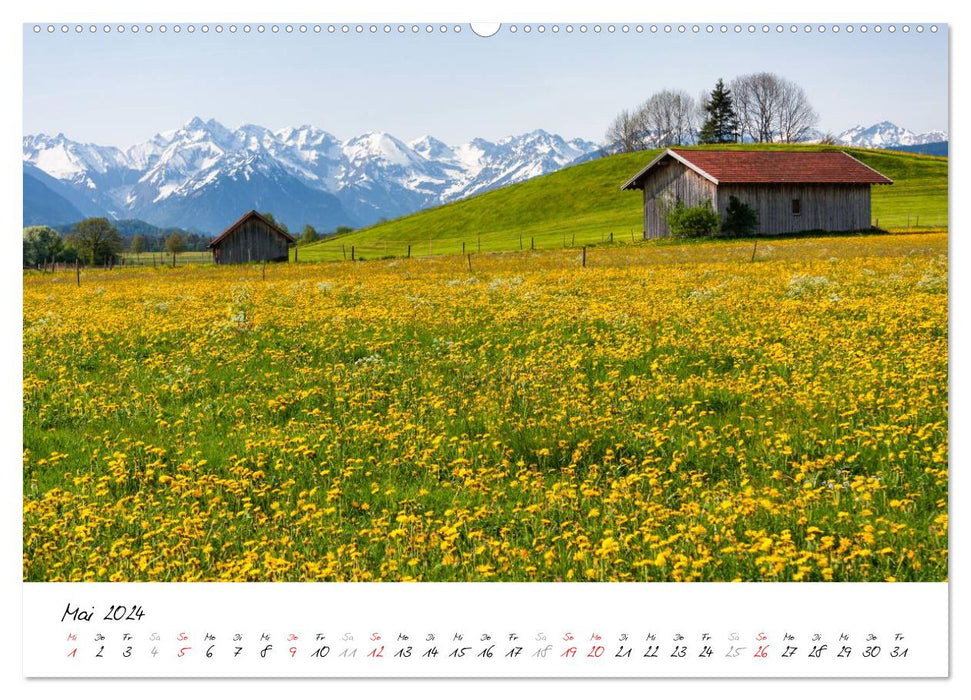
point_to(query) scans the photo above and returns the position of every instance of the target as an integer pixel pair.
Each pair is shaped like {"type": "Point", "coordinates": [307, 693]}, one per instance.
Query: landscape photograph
{"type": "Point", "coordinates": [568, 303]}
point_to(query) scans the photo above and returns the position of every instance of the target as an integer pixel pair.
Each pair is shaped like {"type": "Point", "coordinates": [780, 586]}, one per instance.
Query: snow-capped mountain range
{"type": "Point", "coordinates": [886, 135]}
{"type": "Point", "coordinates": [203, 175]}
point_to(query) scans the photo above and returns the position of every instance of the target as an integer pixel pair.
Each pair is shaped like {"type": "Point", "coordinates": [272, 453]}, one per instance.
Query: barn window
{"type": "Point", "coordinates": [796, 207]}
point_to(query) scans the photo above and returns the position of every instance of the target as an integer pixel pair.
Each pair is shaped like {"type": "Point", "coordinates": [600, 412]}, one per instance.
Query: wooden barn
{"type": "Point", "coordinates": [792, 191]}
{"type": "Point", "coordinates": [253, 238]}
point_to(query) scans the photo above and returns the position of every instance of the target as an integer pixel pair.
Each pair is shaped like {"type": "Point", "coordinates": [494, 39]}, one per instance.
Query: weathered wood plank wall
{"type": "Point", "coordinates": [825, 207]}
{"type": "Point", "coordinates": [822, 207]}
{"type": "Point", "coordinates": [253, 241]}
{"type": "Point", "coordinates": [667, 183]}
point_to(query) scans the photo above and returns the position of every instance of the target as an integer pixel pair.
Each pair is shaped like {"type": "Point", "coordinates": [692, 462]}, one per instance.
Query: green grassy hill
{"type": "Point", "coordinates": [584, 204]}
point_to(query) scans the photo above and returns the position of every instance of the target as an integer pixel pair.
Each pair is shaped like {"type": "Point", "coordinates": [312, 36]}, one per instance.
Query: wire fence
{"type": "Point", "coordinates": [351, 249]}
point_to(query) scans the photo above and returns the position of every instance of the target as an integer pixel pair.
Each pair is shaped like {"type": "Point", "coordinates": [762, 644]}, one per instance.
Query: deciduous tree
{"type": "Point", "coordinates": [668, 117]}
{"type": "Point", "coordinates": [96, 240]}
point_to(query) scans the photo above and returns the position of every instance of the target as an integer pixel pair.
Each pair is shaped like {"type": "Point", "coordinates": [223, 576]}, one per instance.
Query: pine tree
{"type": "Point", "coordinates": [721, 124]}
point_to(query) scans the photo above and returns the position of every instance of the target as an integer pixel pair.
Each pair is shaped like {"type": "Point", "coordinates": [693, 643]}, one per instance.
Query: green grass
{"type": "Point", "coordinates": [670, 412]}
{"type": "Point", "coordinates": [583, 205]}
{"type": "Point", "coordinates": [193, 257]}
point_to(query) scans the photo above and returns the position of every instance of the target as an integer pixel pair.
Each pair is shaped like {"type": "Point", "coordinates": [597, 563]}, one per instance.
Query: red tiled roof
{"type": "Point", "coordinates": [807, 167]}
{"type": "Point", "coordinates": [246, 217]}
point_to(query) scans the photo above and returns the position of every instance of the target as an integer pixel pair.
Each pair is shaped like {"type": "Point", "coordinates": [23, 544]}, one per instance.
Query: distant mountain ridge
{"type": "Point", "coordinates": [43, 205]}
{"type": "Point", "coordinates": [887, 135]}
{"type": "Point", "coordinates": [203, 174]}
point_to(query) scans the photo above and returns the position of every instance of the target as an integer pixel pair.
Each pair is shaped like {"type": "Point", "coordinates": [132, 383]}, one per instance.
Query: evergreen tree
{"type": "Point", "coordinates": [721, 123]}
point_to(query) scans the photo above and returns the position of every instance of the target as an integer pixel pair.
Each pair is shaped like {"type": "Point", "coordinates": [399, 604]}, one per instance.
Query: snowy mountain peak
{"type": "Point", "coordinates": [542, 134]}
{"type": "Point", "coordinates": [886, 134]}
{"type": "Point", "coordinates": [379, 145]}
{"type": "Point", "coordinates": [431, 148]}
{"type": "Point", "coordinates": [201, 174]}
{"type": "Point", "coordinates": [64, 159]}
{"type": "Point", "coordinates": [198, 174]}
{"type": "Point", "coordinates": [305, 135]}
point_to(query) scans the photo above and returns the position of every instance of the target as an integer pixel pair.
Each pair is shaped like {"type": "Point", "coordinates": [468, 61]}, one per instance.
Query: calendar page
{"type": "Point", "coordinates": [425, 348]}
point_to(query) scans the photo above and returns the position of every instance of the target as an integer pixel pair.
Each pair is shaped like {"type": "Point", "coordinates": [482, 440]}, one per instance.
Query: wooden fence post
{"type": "Point", "coordinates": [296, 254]}
{"type": "Point", "coordinates": [352, 254]}
{"type": "Point", "coordinates": [611, 236]}
{"type": "Point", "coordinates": [77, 272]}
{"type": "Point", "coordinates": [520, 241]}
{"type": "Point", "coordinates": [344, 250]}
{"type": "Point", "coordinates": [573, 239]}
{"type": "Point", "coordinates": [532, 243]}
{"type": "Point", "coordinates": [409, 250]}
{"type": "Point", "coordinates": [754, 248]}
{"type": "Point", "coordinates": [584, 258]}
{"type": "Point", "coordinates": [470, 262]}
{"type": "Point", "coordinates": [463, 247]}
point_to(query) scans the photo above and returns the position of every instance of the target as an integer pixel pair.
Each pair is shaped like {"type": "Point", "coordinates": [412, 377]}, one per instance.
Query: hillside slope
{"type": "Point", "coordinates": [584, 204]}
{"type": "Point", "coordinates": [42, 205]}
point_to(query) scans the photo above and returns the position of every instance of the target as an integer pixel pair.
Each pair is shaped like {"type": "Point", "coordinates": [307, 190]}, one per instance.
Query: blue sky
{"type": "Point", "coordinates": [120, 89]}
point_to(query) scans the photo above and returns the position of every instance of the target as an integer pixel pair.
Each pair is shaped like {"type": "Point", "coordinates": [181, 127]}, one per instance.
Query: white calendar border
{"type": "Point", "coordinates": [384, 10]}
{"type": "Point", "coordinates": [403, 630]}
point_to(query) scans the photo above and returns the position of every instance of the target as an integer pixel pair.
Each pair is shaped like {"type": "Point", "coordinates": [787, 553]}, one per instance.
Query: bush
{"type": "Point", "coordinates": [692, 222]}
{"type": "Point", "coordinates": [740, 219]}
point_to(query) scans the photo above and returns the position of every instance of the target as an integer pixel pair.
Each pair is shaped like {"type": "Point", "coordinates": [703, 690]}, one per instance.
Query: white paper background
{"type": "Point", "coordinates": [192, 629]}
{"type": "Point", "coordinates": [509, 11]}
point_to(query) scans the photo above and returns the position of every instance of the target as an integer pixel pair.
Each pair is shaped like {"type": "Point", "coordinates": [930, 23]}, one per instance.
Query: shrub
{"type": "Point", "coordinates": [740, 219]}
{"type": "Point", "coordinates": [692, 222]}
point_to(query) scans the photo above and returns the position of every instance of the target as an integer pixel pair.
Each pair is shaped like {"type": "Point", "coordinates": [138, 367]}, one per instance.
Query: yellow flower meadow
{"type": "Point", "coordinates": [670, 412]}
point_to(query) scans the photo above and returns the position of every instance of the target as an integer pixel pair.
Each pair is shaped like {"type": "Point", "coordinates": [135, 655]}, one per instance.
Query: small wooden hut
{"type": "Point", "coordinates": [253, 238]}
{"type": "Point", "coordinates": [792, 191]}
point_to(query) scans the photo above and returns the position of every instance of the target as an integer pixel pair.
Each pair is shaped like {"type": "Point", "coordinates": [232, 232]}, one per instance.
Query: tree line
{"type": "Point", "coordinates": [96, 241]}
{"type": "Point", "coordinates": [759, 108]}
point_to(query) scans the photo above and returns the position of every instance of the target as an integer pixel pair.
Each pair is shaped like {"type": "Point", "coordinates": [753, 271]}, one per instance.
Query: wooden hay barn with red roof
{"type": "Point", "coordinates": [253, 238]}
{"type": "Point", "coordinates": [792, 191]}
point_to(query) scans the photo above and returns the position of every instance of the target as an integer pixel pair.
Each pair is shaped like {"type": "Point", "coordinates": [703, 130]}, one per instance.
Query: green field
{"type": "Point", "coordinates": [189, 257]}
{"type": "Point", "coordinates": [667, 413]}
{"type": "Point", "coordinates": [584, 204]}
